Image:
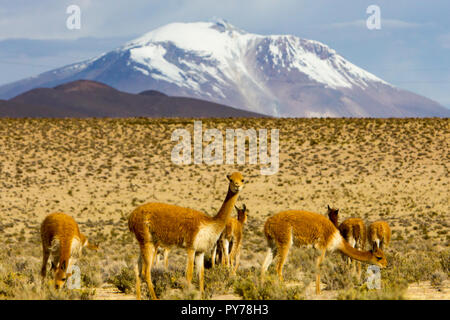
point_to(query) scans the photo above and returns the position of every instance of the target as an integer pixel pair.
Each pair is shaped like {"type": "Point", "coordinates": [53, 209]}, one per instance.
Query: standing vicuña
{"type": "Point", "coordinates": [353, 230]}
{"type": "Point", "coordinates": [307, 228]}
{"type": "Point", "coordinates": [159, 224]}
{"type": "Point", "coordinates": [61, 239]}
{"type": "Point", "coordinates": [233, 233]}
{"type": "Point", "coordinates": [379, 234]}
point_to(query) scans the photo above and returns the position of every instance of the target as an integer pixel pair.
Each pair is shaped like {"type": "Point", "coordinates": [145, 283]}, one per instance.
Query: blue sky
{"type": "Point", "coordinates": [411, 50]}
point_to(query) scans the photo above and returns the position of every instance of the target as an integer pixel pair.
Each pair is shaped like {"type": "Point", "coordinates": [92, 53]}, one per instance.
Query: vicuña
{"type": "Point", "coordinates": [61, 239]}
{"type": "Point", "coordinates": [353, 230]}
{"type": "Point", "coordinates": [233, 234]}
{"type": "Point", "coordinates": [295, 227]}
{"type": "Point", "coordinates": [379, 234]}
{"type": "Point", "coordinates": [166, 225]}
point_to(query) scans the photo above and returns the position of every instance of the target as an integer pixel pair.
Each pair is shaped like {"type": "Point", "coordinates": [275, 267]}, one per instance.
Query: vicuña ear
{"type": "Point", "coordinates": [237, 208]}
{"type": "Point", "coordinates": [328, 207]}
{"type": "Point", "coordinates": [244, 207]}
{"type": "Point", "coordinates": [229, 176]}
{"type": "Point", "coordinates": [63, 265]}
{"type": "Point", "coordinates": [53, 266]}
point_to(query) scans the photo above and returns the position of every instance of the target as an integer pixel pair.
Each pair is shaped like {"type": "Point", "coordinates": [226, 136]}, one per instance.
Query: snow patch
{"type": "Point", "coordinates": [152, 56]}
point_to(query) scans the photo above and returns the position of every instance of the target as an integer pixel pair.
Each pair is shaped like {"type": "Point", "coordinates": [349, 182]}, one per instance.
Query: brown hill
{"type": "Point", "coordinates": [85, 98]}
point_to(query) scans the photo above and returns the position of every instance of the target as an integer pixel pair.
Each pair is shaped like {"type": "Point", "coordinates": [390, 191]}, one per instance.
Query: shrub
{"type": "Point", "coordinates": [124, 281]}
{"type": "Point", "coordinates": [250, 288]}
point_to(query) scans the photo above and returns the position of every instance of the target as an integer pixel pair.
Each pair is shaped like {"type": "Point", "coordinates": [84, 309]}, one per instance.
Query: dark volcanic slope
{"type": "Point", "coordinates": [11, 109]}
{"type": "Point", "coordinates": [84, 98]}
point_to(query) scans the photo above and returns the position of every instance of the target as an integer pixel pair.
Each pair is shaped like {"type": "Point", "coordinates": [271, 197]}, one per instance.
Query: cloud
{"type": "Point", "coordinates": [389, 23]}
{"type": "Point", "coordinates": [393, 23]}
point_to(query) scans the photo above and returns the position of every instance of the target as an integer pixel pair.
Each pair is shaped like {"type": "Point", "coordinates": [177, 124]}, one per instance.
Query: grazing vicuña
{"type": "Point", "coordinates": [353, 230]}
{"type": "Point", "coordinates": [62, 239]}
{"type": "Point", "coordinates": [307, 228]}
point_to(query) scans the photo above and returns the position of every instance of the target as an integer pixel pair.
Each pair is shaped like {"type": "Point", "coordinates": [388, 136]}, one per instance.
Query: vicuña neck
{"type": "Point", "coordinates": [64, 254]}
{"type": "Point", "coordinates": [227, 207]}
{"type": "Point", "coordinates": [347, 249]}
{"type": "Point", "coordinates": [334, 219]}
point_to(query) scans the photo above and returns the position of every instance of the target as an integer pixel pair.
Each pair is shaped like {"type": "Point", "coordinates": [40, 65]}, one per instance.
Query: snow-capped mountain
{"type": "Point", "coordinates": [278, 75]}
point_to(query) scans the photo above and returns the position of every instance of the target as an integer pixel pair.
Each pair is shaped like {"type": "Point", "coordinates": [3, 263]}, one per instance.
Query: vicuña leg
{"type": "Point", "coordinates": [236, 265]}
{"type": "Point", "coordinates": [283, 250]}
{"type": "Point", "coordinates": [213, 255]}
{"type": "Point", "coordinates": [44, 262]}
{"type": "Point", "coordinates": [318, 262]}
{"type": "Point", "coordinates": [376, 244]}
{"type": "Point", "coordinates": [147, 252]}
{"type": "Point", "coordinates": [155, 255]}
{"type": "Point", "coordinates": [190, 265]}
{"type": "Point", "coordinates": [137, 274]}
{"type": "Point", "coordinates": [199, 262]}
{"type": "Point", "coordinates": [266, 263]}
{"type": "Point", "coordinates": [359, 270]}
{"type": "Point", "coordinates": [166, 258]}
{"type": "Point", "coordinates": [225, 252]}
{"type": "Point", "coordinates": [234, 258]}
{"type": "Point", "coordinates": [360, 246]}
{"type": "Point", "coordinates": [350, 261]}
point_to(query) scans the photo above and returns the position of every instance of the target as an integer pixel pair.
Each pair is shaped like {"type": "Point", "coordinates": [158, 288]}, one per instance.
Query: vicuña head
{"type": "Point", "coordinates": [307, 228]}
{"type": "Point", "coordinates": [242, 213]}
{"type": "Point", "coordinates": [236, 182]}
{"type": "Point", "coordinates": [61, 275]}
{"type": "Point", "coordinates": [63, 241]}
{"type": "Point", "coordinates": [159, 224]}
{"type": "Point", "coordinates": [333, 216]}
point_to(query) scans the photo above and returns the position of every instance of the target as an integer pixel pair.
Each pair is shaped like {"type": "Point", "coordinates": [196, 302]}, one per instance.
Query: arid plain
{"type": "Point", "coordinates": [99, 170]}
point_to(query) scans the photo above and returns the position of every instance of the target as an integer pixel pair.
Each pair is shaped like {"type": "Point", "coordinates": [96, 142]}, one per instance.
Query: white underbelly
{"type": "Point", "coordinates": [206, 238]}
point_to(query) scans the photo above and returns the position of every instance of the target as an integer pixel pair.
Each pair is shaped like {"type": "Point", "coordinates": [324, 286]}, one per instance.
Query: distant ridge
{"type": "Point", "coordinates": [83, 86]}
{"type": "Point", "coordinates": [85, 98]}
{"type": "Point", "coordinates": [153, 93]}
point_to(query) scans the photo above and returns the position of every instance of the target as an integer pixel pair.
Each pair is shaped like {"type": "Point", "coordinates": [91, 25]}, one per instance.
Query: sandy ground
{"type": "Point", "coordinates": [100, 170]}
{"type": "Point", "coordinates": [417, 291]}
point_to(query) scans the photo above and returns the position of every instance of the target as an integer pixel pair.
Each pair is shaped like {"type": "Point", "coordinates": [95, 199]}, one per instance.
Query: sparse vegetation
{"type": "Point", "coordinates": [99, 170]}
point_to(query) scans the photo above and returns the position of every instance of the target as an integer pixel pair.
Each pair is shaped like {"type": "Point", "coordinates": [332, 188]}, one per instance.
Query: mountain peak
{"type": "Point", "coordinates": [190, 35]}
{"type": "Point", "coordinates": [224, 26]}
